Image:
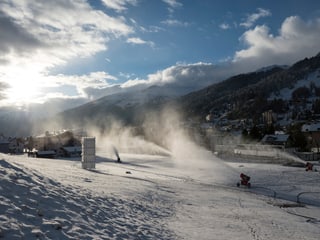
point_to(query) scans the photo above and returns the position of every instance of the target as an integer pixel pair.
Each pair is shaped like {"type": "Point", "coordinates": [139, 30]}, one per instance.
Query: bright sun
{"type": "Point", "coordinates": [24, 90]}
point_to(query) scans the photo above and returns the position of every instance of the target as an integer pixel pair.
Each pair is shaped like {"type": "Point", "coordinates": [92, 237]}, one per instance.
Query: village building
{"type": "Point", "coordinates": [55, 144]}
{"type": "Point", "coordinates": [312, 133]}
{"type": "Point", "coordinates": [269, 117]}
{"type": "Point", "coordinates": [16, 145]}
{"type": "Point", "coordinates": [4, 145]}
{"type": "Point", "coordinates": [275, 139]}
{"type": "Point", "coordinates": [74, 151]}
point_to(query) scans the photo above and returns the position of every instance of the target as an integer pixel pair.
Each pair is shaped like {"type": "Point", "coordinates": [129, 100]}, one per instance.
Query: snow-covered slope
{"type": "Point", "coordinates": [155, 197]}
{"type": "Point", "coordinates": [286, 93]}
{"type": "Point", "coordinates": [138, 97]}
{"type": "Point", "coordinates": [265, 69]}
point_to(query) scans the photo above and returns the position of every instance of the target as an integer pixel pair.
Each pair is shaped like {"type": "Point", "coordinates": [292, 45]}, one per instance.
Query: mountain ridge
{"type": "Point", "coordinates": [240, 92]}
{"type": "Point", "coordinates": [255, 85]}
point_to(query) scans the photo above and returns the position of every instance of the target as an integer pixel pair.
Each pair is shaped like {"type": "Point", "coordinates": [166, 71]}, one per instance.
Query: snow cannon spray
{"type": "Point", "coordinates": [244, 180]}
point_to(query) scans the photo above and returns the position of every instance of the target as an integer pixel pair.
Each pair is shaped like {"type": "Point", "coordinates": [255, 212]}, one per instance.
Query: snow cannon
{"type": "Point", "coordinates": [117, 154]}
{"type": "Point", "coordinates": [309, 166]}
{"type": "Point", "coordinates": [244, 180]}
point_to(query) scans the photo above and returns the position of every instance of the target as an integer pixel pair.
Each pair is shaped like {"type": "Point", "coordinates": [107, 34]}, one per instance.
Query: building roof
{"type": "Point", "coordinates": [313, 127]}
{"type": "Point", "coordinates": [3, 140]}
{"type": "Point", "coordinates": [45, 152]}
{"type": "Point", "coordinates": [72, 149]}
{"type": "Point", "coordinates": [275, 138]}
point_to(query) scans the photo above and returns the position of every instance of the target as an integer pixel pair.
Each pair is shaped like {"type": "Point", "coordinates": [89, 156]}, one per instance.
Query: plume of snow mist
{"type": "Point", "coordinates": [166, 129]}
{"type": "Point", "coordinates": [117, 139]}
{"type": "Point", "coordinates": [291, 157]}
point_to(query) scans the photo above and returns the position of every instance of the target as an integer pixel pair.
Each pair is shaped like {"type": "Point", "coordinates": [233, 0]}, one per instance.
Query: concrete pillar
{"type": "Point", "coordinates": [88, 152]}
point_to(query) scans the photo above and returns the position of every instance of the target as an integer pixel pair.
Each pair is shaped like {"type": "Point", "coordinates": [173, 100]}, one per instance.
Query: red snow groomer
{"type": "Point", "coordinates": [244, 180]}
{"type": "Point", "coordinates": [309, 166]}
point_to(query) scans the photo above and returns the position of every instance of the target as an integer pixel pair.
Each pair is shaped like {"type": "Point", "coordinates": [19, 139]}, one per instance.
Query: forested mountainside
{"type": "Point", "coordinates": [246, 95]}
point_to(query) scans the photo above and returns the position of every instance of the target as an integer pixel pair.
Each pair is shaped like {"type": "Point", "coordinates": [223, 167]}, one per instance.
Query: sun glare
{"type": "Point", "coordinates": [24, 90]}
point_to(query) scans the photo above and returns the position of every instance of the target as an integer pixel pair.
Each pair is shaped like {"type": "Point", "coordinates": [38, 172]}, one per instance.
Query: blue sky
{"type": "Point", "coordinates": [74, 51]}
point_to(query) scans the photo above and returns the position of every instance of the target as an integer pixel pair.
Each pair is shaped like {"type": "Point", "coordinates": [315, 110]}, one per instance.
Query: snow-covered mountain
{"type": "Point", "coordinates": [129, 106]}
{"type": "Point", "coordinates": [265, 69]}
{"type": "Point", "coordinates": [139, 97]}
{"type": "Point", "coordinates": [245, 93]}
{"type": "Point", "coordinates": [309, 79]}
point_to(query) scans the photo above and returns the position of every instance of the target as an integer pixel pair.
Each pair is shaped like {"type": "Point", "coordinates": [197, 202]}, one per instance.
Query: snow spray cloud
{"type": "Point", "coordinates": [162, 132]}
{"type": "Point", "coordinates": [270, 153]}
{"type": "Point", "coordinates": [118, 138]}
{"type": "Point", "coordinates": [110, 134]}
{"type": "Point", "coordinates": [167, 129]}
{"type": "Point", "coordinates": [292, 157]}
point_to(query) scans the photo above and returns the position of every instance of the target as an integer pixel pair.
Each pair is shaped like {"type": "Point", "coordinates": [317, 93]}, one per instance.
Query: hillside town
{"type": "Point", "coordinates": [291, 124]}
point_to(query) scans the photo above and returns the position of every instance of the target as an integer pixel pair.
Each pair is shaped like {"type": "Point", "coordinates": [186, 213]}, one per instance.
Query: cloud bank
{"type": "Point", "coordinates": [61, 29]}
{"type": "Point", "coordinates": [196, 75]}
{"type": "Point", "coordinates": [296, 40]}
{"type": "Point", "coordinates": [36, 36]}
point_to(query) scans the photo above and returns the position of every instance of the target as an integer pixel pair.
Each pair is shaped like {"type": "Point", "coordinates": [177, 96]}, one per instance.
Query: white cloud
{"type": "Point", "coordinates": [175, 23]}
{"type": "Point", "coordinates": [118, 5]}
{"type": "Point", "coordinates": [93, 80]}
{"type": "Point", "coordinates": [126, 75]}
{"type": "Point", "coordinates": [149, 29]}
{"type": "Point", "coordinates": [296, 39]}
{"type": "Point", "coordinates": [194, 76]}
{"type": "Point", "coordinates": [251, 19]}
{"type": "Point", "coordinates": [84, 85]}
{"type": "Point", "coordinates": [224, 26]}
{"type": "Point", "coordinates": [173, 3]}
{"type": "Point", "coordinates": [139, 41]}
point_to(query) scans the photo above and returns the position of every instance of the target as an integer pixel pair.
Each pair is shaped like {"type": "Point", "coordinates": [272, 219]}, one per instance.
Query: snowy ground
{"type": "Point", "coordinates": [155, 197]}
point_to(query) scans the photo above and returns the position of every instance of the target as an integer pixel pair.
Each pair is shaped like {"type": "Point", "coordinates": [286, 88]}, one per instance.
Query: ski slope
{"type": "Point", "coordinates": [155, 197]}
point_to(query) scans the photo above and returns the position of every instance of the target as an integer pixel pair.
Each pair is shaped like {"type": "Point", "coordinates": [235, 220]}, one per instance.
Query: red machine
{"type": "Point", "coordinates": [309, 166]}
{"type": "Point", "coordinates": [244, 180]}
